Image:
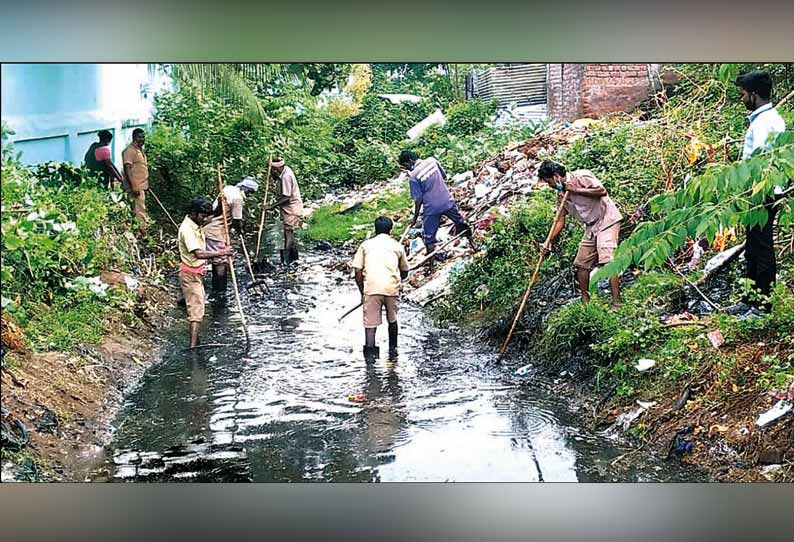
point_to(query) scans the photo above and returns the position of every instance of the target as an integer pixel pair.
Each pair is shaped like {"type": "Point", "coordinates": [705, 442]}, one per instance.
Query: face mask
{"type": "Point", "coordinates": [558, 186]}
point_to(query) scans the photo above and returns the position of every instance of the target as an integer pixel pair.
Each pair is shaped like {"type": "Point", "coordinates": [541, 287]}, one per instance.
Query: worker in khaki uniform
{"type": "Point", "coordinates": [192, 255]}
{"type": "Point", "coordinates": [289, 201]}
{"type": "Point", "coordinates": [136, 173]}
{"type": "Point", "coordinates": [380, 264]}
{"type": "Point", "coordinates": [215, 232]}
{"type": "Point", "coordinates": [589, 203]}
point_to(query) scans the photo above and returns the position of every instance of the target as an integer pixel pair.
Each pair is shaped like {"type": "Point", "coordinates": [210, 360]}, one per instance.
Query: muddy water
{"type": "Point", "coordinates": [281, 409]}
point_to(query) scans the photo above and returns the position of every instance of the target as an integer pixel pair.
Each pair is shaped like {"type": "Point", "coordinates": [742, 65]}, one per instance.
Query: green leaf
{"type": "Point", "coordinates": [11, 241]}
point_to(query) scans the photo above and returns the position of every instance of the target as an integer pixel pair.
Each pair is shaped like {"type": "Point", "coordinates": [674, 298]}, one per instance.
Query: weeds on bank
{"type": "Point", "coordinates": [330, 223]}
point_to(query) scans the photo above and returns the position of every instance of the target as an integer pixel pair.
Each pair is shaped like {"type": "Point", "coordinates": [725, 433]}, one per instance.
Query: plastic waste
{"type": "Point", "coordinates": [715, 338]}
{"type": "Point", "coordinates": [683, 447]}
{"type": "Point", "coordinates": [644, 364]}
{"type": "Point", "coordinates": [523, 371]}
{"type": "Point", "coordinates": [360, 398]}
{"type": "Point", "coordinates": [416, 246]}
{"type": "Point", "coordinates": [780, 409]}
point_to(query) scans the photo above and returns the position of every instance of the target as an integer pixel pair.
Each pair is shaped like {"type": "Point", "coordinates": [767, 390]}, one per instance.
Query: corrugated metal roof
{"type": "Point", "coordinates": [521, 84]}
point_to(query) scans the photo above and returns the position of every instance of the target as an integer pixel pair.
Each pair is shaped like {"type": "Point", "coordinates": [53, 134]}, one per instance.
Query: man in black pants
{"type": "Point", "coordinates": [764, 123]}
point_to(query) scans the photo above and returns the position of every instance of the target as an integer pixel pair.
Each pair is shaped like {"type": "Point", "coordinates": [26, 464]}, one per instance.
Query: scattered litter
{"type": "Point", "coordinates": [784, 395]}
{"type": "Point", "coordinates": [644, 364]}
{"type": "Point", "coordinates": [523, 371]}
{"type": "Point", "coordinates": [462, 177]}
{"type": "Point", "coordinates": [436, 117]}
{"type": "Point", "coordinates": [780, 409]}
{"type": "Point", "coordinates": [684, 318]}
{"type": "Point", "coordinates": [213, 358]}
{"type": "Point", "coordinates": [647, 405]}
{"type": "Point", "coordinates": [360, 398]}
{"type": "Point", "coordinates": [715, 338]}
{"type": "Point", "coordinates": [625, 419]}
{"type": "Point", "coordinates": [769, 471]}
{"type": "Point", "coordinates": [415, 247]}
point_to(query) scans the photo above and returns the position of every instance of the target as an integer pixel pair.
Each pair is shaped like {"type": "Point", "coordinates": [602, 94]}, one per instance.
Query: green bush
{"type": "Point", "coordinates": [469, 117]}
{"type": "Point", "coordinates": [576, 329]}
{"type": "Point", "coordinates": [328, 223]}
{"type": "Point", "coordinates": [56, 231]}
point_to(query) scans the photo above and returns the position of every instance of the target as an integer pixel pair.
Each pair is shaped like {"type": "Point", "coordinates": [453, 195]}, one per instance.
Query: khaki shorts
{"type": "Point", "coordinates": [193, 290]}
{"type": "Point", "coordinates": [372, 309]}
{"type": "Point", "coordinates": [598, 249]}
{"type": "Point", "coordinates": [213, 245]}
{"type": "Point", "coordinates": [291, 222]}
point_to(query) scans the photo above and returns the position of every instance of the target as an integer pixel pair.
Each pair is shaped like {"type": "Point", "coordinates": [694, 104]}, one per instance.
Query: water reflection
{"type": "Point", "coordinates": [281, 409]}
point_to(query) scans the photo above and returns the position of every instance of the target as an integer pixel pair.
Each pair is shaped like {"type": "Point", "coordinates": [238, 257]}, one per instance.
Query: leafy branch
{"type": "Point", "coordinates": [723, 196]}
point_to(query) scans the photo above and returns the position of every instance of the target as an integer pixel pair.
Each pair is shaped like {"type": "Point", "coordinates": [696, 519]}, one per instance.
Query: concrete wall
{"type": "Point", "coordinates": [56, 109]}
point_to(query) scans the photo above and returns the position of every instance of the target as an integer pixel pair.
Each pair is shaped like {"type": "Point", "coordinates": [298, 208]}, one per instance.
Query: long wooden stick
{"type": "Point", "coordinates": [222, 199]}
{"type": "Point", "coordinates": [443, 245]}
{"type": "Point", "coordinates": [402, 237]}
{"type": "Point", "coordinates": [350, 311]}
{"type": "Point", "coordinates": [264, 208]}
{"type": "Point", "coordinates": [520, 310]}
{"type": "Point", "coordinates": [785, 99]}
{"type": "Point", "coordinates": [163, 208]}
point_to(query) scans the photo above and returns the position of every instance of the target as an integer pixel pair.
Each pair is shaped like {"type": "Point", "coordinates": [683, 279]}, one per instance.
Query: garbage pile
{"type": "Point", "coordinates": [483, 196]}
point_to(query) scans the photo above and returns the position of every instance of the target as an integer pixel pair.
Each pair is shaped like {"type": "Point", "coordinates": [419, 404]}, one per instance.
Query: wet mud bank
{"type": "Point", "coordinates": [58, 407]}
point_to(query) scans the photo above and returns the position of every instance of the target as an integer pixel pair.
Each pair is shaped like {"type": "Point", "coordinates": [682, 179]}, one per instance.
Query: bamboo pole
{"type": "Point", "coordinates": [520, 310]}
{"type": "Point", "coordinates": [264, 207]}
{"type": "Point", "coordinates": [351, 310]}
{"type": "Point", "coordinates": [442, 246]}
{"type": "Point", "coordinates": [163, 208]}
{"type": "Point", "coordinates": [222, 200]}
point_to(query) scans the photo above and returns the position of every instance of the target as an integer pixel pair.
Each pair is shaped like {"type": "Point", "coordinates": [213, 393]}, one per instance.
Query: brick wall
{"type": "Point", "coordinates": [608, 88]}
{"type": "Point", "coordinates": [592, 90]}
{"type": "Point", "coordinates": [564, 93]}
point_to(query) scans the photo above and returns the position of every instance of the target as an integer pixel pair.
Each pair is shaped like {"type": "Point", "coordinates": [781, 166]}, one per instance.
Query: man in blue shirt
{"type": "Point", "coordinates": [429, 190]}
{"type": "Point", "coordinates": [764, 123]}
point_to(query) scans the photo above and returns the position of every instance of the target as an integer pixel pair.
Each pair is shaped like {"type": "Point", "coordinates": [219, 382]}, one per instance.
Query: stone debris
{"type": "Point", "coordinates": [483, 194]}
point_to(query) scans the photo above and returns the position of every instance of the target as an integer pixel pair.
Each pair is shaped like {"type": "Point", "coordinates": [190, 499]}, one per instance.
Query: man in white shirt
{"type": "Point", "coordinates": [380, 264]}
{"type": "Point", "coordinates": [764, 124]}
{"type": "Point", "coordinates": [215, 233]}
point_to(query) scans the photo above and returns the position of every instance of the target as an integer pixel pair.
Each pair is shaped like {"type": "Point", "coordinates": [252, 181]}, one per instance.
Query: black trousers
{"type": "Point", "coordinates": [760, 253]}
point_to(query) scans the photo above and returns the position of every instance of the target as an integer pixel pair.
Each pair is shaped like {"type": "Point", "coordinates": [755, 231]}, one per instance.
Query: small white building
{"type": "Point", "coordinates": [56, 110]}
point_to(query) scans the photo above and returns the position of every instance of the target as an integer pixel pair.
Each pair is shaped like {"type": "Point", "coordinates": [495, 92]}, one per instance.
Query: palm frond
{"type": "Point", "coordinates": [231, 82]}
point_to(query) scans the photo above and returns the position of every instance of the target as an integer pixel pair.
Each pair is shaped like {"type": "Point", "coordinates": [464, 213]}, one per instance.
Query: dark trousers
{"type": "Point", "coordinates": [760, 253]}
{"type": "Point", "coordinates": [430, 224]}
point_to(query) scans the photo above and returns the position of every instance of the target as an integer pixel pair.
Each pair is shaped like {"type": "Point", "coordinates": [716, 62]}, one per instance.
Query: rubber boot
{"type": "Point", "coordinates": [219, 283]}
{"type": "Point", "coordinates": [371, 353]}
{"type": "Point", "coordinates": [393, 329]}
{"type": "Point", "coordinates": [293, 255]}
{"type": "Point", "coordinates": [282, 255]}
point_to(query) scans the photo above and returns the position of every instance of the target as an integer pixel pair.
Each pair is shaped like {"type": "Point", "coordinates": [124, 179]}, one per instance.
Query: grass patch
{"type": "Point", "coordinates": [328, 223]}
{"type": "Point", "coordinates": [68, 322]}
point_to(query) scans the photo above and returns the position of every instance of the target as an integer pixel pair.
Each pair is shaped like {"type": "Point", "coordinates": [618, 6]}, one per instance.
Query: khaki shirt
{"type": "Point", "coordinates": [381, 258]}
{"type": "Point", "coordinates": [292, 211]}
{"type": "Point", "coordinates": [234, 211]}
{"type": "Point", "coordinates": [191, 238]}
{"type": "Point", "coordinates": [139, 167]}
{"type": "Point", "coordinates": [594, 213]}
